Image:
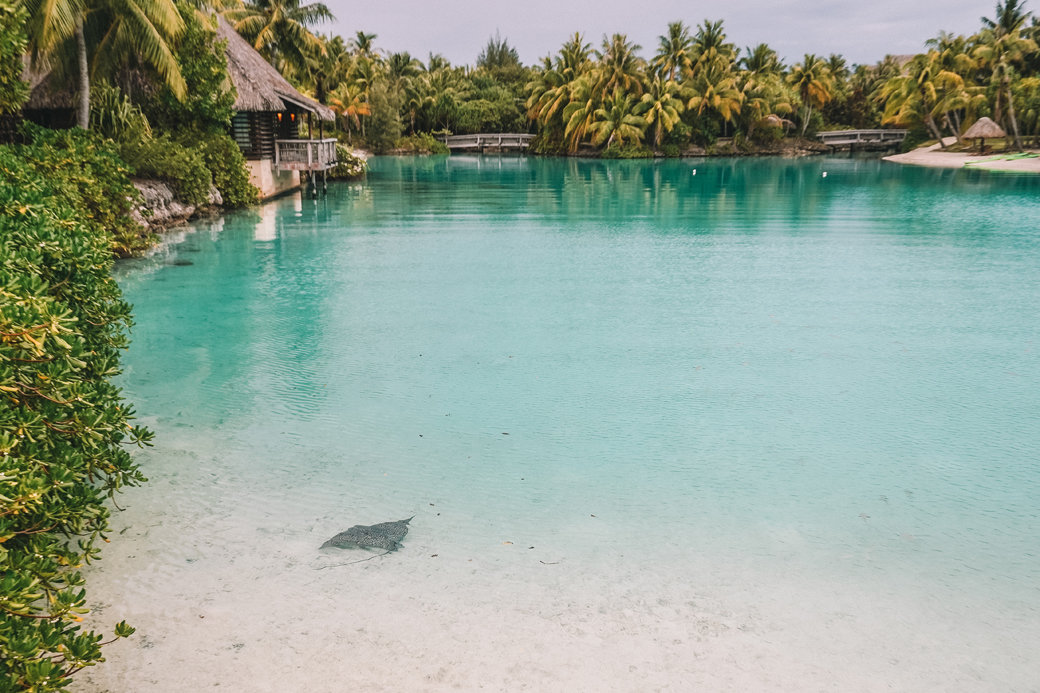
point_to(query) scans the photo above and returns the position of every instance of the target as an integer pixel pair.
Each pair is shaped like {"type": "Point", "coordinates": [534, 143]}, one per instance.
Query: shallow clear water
{"type": "Point", "coordinates": [733, 424]}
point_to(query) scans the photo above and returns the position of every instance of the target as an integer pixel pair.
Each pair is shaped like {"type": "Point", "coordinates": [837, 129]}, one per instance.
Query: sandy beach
{"type": "Point", "coordinates": [935, 157]}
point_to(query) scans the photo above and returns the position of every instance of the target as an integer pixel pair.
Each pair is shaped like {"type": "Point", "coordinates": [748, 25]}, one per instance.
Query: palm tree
{"type": "Point", "coordinates": [617, 121]}
{"type": "Point", "coordinates": [351, 103]}
{"type": "Point", "coordinates": [661, 107]}
{"type": "Point", "coordinates": [435, 62]}
{"type": "Point", "coordinates": [362, 44]}
{"type": "Point", "coordinates": [673, 51]}
{"type": "Point", "coordinates": [547, 94]}
{"type": "Point", "coordinates": [418, 96]}
{"type": "Point", "coordinates": [620, 67]}
{"type": "Point", "coordinates": [553, 85]}
{"type": "Point", "coordinates": [714, 90]}
{"type": "Point", "coordinates": [580, 111]}
{"type": "Point", "coordinates": [105, 34]}
{"type": "Point", "coordinates": [710, 46]}
{"type": "Point", "coordinates": [401, 67]}
{"type": "Point", "coordinates": [575, 55]}
{"type": "Point", "coordinates": [1010, 17]}
{"type": "Point", "coordinates": [925, 92]}
{"type": "Point", "coordinates": [814, 83]}
{"type": "Point", "coordinates": [279, 30]}
{"type": "Point", "coordinates": [1000, 53]}
{"type": "Point", "coordinates": [326, 66]}
{"type": "Point", "coordinates": [761, 60]}
{"type": "Point", "coordinates": [951, 55]}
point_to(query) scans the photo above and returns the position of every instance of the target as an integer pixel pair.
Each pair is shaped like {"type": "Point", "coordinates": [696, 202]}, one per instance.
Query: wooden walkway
{"type": "Point", "coordinates": [494, 142]}
{"type": "Point", "coordinates": [862, 139]}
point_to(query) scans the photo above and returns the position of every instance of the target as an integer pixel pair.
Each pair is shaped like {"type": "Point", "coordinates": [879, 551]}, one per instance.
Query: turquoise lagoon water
{"type": "Point", "coordinates": [662, 425]}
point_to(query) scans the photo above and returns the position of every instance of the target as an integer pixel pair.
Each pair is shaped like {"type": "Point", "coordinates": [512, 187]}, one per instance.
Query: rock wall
{"type": "Point", "coordinates": [159, 207]}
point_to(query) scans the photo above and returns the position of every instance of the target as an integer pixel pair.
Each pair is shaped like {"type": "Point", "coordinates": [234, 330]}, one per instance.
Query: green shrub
{"type": "Point", "coordinates": [421, 143]}
{"type": "Point", "coordinates": [384, 125]}
{"type": "Point", "coordinates": [671, 151]}
{"type": "Point", "coordinates": [767, 134]}
{"type": "Point", "coordinates": [13, 90]}
{"type": "Point", "coordinates": [549, 143]}
{"type": "Point", "coordinates": [348, 166]}
{"type": "Point", "coordinates": [626, 151]}
{"type": "Point", "coordinates": [208, 105]}
{"type": "Point", "coordinates": [114, 116]}
{"type": "Point", "coordinates": [188, 161]}
{"type": "Point", "coordinates": [64, 426]}
{"type": "Point", "coordinates": [164, 159]}
{"type": "Point", "coordinates": [89, 173]}
{"type": "Point", "coordinates": [226, 164]}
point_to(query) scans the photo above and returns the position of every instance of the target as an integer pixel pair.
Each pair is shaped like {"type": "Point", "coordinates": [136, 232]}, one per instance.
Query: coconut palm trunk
{"type": "Point", "coordinates": [934, 127]}
{"type": "Point", "coordinates": [83, 102]}
{"type": "Point", "coordinates": [1011, 115]}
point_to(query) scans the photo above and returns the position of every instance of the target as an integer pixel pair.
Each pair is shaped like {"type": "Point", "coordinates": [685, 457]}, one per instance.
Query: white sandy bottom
{"type": "Point", "coordinates": [227, 589]}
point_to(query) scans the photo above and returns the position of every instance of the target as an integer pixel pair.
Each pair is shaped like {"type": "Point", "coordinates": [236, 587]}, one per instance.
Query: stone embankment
{"type": "Point", "coordinates": [160, 209]}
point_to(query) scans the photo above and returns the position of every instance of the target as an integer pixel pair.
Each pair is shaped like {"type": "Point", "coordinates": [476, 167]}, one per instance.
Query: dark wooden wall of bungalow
{"type": "Point", "coordinates": [256, 131]}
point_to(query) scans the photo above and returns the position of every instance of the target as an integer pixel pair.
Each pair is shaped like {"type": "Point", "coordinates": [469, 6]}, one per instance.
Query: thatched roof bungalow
{"type": "Point", "coordinates": [268, 111]}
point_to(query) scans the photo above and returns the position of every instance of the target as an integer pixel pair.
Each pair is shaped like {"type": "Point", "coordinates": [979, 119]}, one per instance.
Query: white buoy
{"type": "Point", "coordinates": [693, 172]}
{"type": "Point", "coordinates": [824, 174]}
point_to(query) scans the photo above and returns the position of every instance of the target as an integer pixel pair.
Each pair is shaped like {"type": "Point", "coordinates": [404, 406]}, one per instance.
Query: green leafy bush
{"type": "Point", "coordinates": [13, 90]}
{"type": "Point", "coordinates": [627, 151]}
{"type": "Point", "coordinates": [188, 162]}
{"type": "Point", "coordinates": [164, 159]}
{"type": "Point", "coordinates": [671, 151]}
{"type": "Point", "coordinates": [421, 143]}
{"type": "Point", "coordinates": [89, 173]}
{"type": "Point", "coordinates": [348, 166]}
{"type": "Point", "coordinates": [226, 164]}
{"type": "Point", "coordinates": [549, 143]}
{"type": "Point", "coordinates": [209, 103]}
{"type": "Point", "coordinates": [114, 116]}
{"type": "Point", "coordinates": [384, 125]}
{"type": "Point", "coordinates": [64, 426]}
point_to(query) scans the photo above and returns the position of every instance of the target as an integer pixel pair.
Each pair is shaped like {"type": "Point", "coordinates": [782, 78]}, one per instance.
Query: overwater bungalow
{"type": "Point", "coordinates": [266, 124]}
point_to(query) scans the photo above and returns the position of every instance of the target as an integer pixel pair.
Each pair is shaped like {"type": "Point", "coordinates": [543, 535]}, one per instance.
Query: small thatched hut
{"type": "Point", "coordinates": [266, 124]}
{"type": "Point", "coordinates": [268, 108]}
{"type": "Point", "coordinates": [983, 129]}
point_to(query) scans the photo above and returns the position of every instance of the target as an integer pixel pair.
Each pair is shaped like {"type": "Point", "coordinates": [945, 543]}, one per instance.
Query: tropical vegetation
{"type": "Point", "coordinates": [153, 98]}
{"type": "Point", "coordinates": [64, 427]}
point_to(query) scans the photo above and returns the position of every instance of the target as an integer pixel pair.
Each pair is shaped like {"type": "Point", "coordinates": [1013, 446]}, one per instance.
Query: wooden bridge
{"type": "Point", "coordinates": [496, 142]}
{"type": "Point", "coordinates": [862, 139]}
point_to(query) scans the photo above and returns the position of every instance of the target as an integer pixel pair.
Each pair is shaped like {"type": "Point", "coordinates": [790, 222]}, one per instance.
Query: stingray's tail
{"type": "Point", "coordinates": [360, 560]}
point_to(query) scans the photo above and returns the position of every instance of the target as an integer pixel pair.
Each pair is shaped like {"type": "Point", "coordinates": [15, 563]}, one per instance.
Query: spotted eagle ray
{"type": "Point", "coordinates": [385, 535]}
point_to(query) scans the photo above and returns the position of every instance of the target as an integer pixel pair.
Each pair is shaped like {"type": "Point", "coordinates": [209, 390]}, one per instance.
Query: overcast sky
{"type": "Point", "coordinates": [864, 32]}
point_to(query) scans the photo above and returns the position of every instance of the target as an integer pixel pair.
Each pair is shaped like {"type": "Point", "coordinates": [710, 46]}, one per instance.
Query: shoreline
{"type": "Point", "coordinates": [934, 157]}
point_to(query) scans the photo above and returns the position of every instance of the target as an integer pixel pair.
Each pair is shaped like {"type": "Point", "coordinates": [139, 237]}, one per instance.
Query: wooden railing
{"type": "Point", "coordinates": [481, 142]}
{"type": "Point", "coordinates": [305, 155]}
{"type": "Point", "coordinates": [849, 137]}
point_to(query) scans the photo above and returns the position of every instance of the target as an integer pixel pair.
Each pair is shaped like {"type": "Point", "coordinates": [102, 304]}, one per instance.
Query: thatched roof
{"type": "Point", "coordinates": [260, 87]}
{"type": "Point", "coordinates": [983, 128]}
